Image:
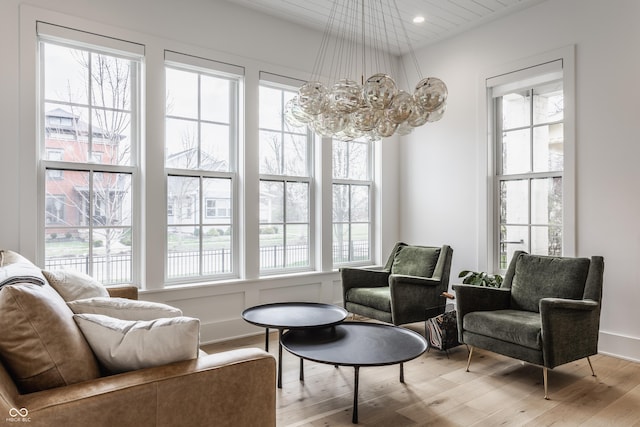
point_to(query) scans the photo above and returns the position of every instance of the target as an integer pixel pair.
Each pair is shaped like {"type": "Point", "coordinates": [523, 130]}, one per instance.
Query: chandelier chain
{"type": "Point", "coordinates": [352, 105]}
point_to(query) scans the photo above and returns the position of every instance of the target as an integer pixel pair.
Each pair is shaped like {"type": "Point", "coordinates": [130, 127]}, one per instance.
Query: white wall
{"type": "Point", "coordinates": [210, 28]}
{"type": "Point", "coordinates": [440, 164]}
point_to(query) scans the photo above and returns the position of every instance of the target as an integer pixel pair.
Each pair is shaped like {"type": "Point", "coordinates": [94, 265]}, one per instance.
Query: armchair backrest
{"type": "Point", "coordinates": [421, 261]}
{"type": "Point", "coordinates": [533, 277]}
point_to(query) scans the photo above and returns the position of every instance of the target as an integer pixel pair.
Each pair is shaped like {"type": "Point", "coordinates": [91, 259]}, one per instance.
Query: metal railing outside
{"type": "Point", "coordinates": [117, 268]}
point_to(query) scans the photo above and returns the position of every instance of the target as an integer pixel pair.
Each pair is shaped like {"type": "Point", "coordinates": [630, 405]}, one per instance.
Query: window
{"type": "Point", "coordinates": [218, 208]}
{"type": "Point", "coordinates": [530, 163]}
{"type": "Point", "coordinates": [352, 188]}
{"type": "Point", "coordinates": [54, 205]}
{"type": "Point", "coordinates": [201, 136]}
{"type": "Point", "coordinates": [285, 185]}
{"type": "Point", "coordinates": [89, 112]}
{"type": "Point", "coordinates": [55, 154]}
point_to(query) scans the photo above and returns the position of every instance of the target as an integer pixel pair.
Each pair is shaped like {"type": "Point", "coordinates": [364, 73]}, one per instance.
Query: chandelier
{"type": "Point", "coordinates": [338, 101]}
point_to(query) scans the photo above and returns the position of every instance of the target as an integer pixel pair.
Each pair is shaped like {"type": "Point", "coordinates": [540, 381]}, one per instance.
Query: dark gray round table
{"type": "Point", "coordinates": [292, 315]}
{"type": "Point", "coordinates": [356, 344]}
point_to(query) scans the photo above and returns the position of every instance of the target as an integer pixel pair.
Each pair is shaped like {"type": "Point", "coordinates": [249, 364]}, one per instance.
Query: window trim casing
{"type": "Point", "coordinates": [370, 184]}
{"type": "Point", "coordinates": [486, 225]}
{"type": "Point", "coordinates": [96, 44]}
{"type": "Point", "coordinates": [234, 73]}
{"type": "Point", "coordinates": [282, 83]}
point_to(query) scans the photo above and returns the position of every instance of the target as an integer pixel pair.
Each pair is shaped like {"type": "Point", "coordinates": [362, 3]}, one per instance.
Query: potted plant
{"type": "Point", "coordinates": [480, 278]}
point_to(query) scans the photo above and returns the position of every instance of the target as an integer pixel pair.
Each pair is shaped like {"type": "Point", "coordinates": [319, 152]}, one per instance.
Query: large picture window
{"type": "Point", "coordinates": [201, 136]}
{"type": "Point", "coordinates": [285, 185]}
{"type": "Point", "coordinates": [89, 110]}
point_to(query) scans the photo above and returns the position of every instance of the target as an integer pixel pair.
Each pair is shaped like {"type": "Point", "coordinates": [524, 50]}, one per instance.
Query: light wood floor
{"type": "Point", "coordinates": [498, 391]}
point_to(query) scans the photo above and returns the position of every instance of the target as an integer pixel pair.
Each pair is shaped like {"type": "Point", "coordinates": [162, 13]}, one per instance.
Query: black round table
{"type": "Point", "coordinates": [290, 316]}
{"type": "Point", "coordinates": [356, 344]}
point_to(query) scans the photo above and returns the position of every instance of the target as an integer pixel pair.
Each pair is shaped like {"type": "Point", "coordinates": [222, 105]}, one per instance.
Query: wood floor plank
{"type": "Point", "coordinates": [439, 392]}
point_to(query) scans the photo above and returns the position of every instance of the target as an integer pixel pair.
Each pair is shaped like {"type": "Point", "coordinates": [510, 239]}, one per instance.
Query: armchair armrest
{"type": "Point", "coordinates": [397, 280]}
{"type": "Point", "coordinates": [549, 304]}
{"type": "Point", "coordinates": [569, 329]}
{"type": "Point", "coordinates": [411, 296]}
{"type": "Point", "coordinates": [123, 291]}
{"type": "Point", "coordinates": [230, 388]}
{"type": "Point", "coordinates": [478, 298]}
{"type": "Point", "coordinates": [363, 278]}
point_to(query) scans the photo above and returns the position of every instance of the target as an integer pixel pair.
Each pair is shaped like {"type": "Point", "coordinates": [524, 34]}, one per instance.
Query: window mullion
{"type": "Point", "coordinates": [200, 223]}
{"type": "Point", "coordinates": [90, 201]}
{"type": "Point", "coordinates": [199, 136]}
{"type": "Point", "coordinates": [350, 217]}
{"type": "Point", "coordinates": [284, 222]}
{"type": "Point", "coordinates": [90, 108]}
{"type": "Point", "coordinates": [531, 107]}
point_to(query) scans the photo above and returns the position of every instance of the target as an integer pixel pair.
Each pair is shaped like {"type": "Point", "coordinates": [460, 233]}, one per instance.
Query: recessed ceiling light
{"type": "Point", "coordinates": [418, 19]}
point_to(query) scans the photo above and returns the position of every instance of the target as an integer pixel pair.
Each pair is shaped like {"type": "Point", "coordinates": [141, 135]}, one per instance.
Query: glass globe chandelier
{"type": "Point", "coordinates": [339, 101]}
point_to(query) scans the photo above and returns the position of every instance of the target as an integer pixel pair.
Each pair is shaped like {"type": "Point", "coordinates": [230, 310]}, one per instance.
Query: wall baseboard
{"type": "Point", "coordinates": [621, 346]}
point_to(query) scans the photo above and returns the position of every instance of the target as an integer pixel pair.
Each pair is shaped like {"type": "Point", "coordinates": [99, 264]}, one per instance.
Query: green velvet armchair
{"type": "Point", "coordinates": [547, 311]}
{"type": "Point", "coordinates": [407, 289]}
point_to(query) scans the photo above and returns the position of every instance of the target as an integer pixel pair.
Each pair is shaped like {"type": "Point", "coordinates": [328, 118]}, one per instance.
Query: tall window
{"type": "Point", "coordinates": [529, 123]}
{"type": "Point", "coordinates": [89, 110]}
{"type": "Point", "coordinates": [201, 134]}
{"type": "Point", "coordinates": [352, 186]}
{"type": "Point", "coordinates": [285, 185]}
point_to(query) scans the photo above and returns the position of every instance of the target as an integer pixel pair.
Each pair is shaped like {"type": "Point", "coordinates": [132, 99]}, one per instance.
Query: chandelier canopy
{"type": "Point", "coordinates": [340, 102]}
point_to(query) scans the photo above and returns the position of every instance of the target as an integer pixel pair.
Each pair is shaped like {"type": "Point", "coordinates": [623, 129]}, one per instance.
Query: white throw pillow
{"type": "Point", "coordinates": [123, 308]}
{"type": "Point", "coordinates": [127, 345]}
{"type": "Point", "coordinates": [73, 285]}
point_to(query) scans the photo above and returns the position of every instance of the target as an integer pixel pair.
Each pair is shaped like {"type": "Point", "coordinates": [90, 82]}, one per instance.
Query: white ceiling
{"type": "Point", "coordinates": [443, 18]}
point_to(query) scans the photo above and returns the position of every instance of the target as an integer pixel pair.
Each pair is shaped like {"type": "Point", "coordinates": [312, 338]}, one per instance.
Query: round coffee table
{"type": "Point", "coordinates": [356, 344]}
{"type": "Point", "coordinates": [292, 315]}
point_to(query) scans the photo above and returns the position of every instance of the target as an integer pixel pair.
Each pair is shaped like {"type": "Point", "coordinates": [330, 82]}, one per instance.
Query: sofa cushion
{"type": "Point", "coordinates": [41, 345]}
{"type": "Point", "coordinates": [126, 345]}
{"type": "Point", "coordinates": [73, 285]}
{"type": "Point", "coordinates": [123, 308]}
{"type": "Point", "coordinates": [415, 261]}
{"type": "Point", "coordinates": [512, 326]}
{"type": "Point", "coordinates": [14, 269]}
{"type": "Point", "coordinates": [538, 277]}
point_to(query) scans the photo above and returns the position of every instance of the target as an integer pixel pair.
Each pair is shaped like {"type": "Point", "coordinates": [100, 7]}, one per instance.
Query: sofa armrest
{"type": "Point", "coordinates": [231, 388]}
{"type": "Point", "coordinates": [123, 291]}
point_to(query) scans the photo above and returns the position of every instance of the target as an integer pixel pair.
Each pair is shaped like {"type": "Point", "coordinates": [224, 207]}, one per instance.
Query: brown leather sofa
{"type": "Point", "coordinates": [232, 388]}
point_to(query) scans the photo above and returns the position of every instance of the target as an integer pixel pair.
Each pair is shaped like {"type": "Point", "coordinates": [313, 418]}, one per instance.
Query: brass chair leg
{"type": "Point", "coordinates": [469, 359]}
{"type": "Point", "coordinates": [593, 374]}
{"type": "Point", "coordinates": [544, 378]}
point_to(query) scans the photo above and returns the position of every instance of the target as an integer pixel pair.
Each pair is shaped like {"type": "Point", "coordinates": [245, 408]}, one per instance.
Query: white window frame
{"type": "Point", "coordinates": [355, 182]}
{"type": "Point", "coordinates": [96, 44]}
{"type": "Point", "coordinates": [288, 84]}
{"type": "Point", "coordinates": [488, 229]}
{"type": "Point", "coordinates": [235, 74]}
